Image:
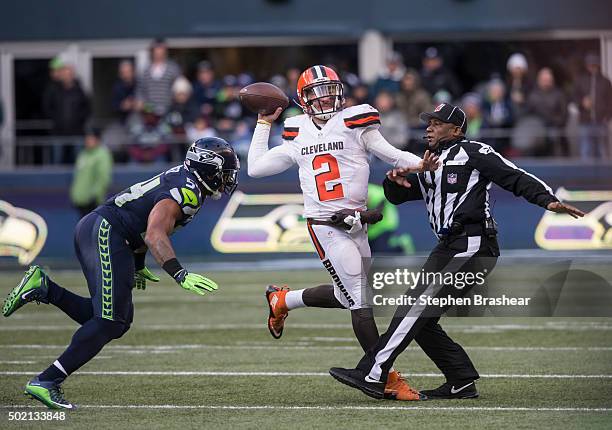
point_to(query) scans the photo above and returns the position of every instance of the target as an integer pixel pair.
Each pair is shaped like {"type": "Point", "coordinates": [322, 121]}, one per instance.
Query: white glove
{"type": "Point", "coordinates": [354, 221]}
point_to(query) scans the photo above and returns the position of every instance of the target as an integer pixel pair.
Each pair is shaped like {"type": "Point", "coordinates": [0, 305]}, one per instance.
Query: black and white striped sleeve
{"type": "Point", "coordinates": [507, 175]}
{"type": "Point", "coordinates": [398, 194]}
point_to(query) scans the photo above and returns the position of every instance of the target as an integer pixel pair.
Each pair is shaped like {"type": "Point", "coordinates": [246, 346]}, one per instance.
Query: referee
{"type": "Point", "coordinates": [457, 200]}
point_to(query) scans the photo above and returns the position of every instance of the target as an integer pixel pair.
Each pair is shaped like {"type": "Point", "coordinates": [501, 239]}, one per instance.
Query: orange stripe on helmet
{"type": "Point", "coordinates": [308, 77]}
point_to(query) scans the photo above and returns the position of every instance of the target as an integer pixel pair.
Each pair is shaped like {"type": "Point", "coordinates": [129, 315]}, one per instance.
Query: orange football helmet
{"type": "Point", "coordinates": [315, 86]}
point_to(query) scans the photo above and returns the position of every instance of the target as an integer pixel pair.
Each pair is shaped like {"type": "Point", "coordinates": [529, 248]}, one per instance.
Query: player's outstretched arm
{"type": "Point", "coordinates": [409, 163]}
{"type": "Point", "coordinates": [261, 160]}
{"type": "Point", "coordinates": [159, 226]}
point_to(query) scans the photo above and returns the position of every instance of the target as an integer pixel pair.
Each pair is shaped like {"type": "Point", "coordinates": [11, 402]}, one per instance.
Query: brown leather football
{"type": "Point", "coordinates": [263, 98]}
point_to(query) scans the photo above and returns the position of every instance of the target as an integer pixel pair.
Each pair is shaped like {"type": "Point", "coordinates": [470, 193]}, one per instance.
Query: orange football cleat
{"type": "Point", "coordinates": [398, 389]}
{"type": "Point", "coordinates": [275, 297]}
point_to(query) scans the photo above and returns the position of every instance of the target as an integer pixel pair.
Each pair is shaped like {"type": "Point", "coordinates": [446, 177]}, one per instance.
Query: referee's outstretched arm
{"type": "Point", "coordinates": [507, 175]}
{"type": "Point", "coordinates": [504, 173]}
{"type": "Point", "coordinates": [397, 193]}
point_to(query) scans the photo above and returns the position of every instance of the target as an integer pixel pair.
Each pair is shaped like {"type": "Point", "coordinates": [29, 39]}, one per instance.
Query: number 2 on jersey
{"type": "Point", "coordinates": [333, 172]}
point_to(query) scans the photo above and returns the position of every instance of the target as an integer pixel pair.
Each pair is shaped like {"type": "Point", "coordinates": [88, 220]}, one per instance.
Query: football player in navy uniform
{"type": "Point", "coordinates": [111, 243]}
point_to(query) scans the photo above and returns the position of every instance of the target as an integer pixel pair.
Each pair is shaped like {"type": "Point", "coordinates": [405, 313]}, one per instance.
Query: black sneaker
{"type": "Point", "coordinates": [356, 378]}
{"type": "Point", "coordinates": [463, 390]}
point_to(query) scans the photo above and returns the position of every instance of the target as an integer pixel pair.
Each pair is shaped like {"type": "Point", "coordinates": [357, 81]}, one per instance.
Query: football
{"type": "Point", "coordinates": [263, 98]}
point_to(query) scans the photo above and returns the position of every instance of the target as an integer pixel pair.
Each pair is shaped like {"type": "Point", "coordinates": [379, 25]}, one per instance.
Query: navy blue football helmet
{"type": "Point", "coordinates": [214, 163]}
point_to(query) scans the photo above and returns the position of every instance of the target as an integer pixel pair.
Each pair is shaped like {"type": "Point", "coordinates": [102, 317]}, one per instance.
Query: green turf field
{"type": "Point", "coordinates": [209, 362]}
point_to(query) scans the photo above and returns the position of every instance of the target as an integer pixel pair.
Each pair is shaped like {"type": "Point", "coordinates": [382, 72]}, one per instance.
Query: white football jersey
{"type": "Point", "coordinates": [333, 161]}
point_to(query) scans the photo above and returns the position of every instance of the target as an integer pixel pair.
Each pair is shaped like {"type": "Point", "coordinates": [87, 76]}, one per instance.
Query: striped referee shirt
{"type": "Point", "coordinates": [458, 191]}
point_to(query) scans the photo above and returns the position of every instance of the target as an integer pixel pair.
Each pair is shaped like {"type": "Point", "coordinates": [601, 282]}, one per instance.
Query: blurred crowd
{"type": "Point", "coordinates": [522, 113]}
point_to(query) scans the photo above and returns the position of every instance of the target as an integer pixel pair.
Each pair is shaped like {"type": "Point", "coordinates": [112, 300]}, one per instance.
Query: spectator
{"type": "Point", "coordinates": [205, 88]}
{"type": "Point", "coordinates": [497, 110]}
{"type": "Point", "coordinates": [225, 128]}
{"type": "Point", "coordinates": [55, 66]}
{"type": "Point", "coordinates": [183, 110]}
{"type": "Point", "coordinates": [436, 77]}
{"type": "Point", "coordinates": [361, 94]}
{"type": "Point", "coordinates": [123, 90]}
{"type": "Point", "coordinates": [154, 87]}
{"type": "Point", "coordinates": [293, 74]}
{"type": "Point", "coordinates": [281, 82]}
{"type": "Point", "coordinates": [66, 104]}
{"type": "Point", "coordinates": [149, 137]}
{"type": "Point", "coordinates": [471, 104]}
{"type": "Point", "coordinates": [228, 104]}
{"type": "Point", "coordinates": [389, 80]}
{"type": "Point", "coordinates": [394, 126]}
{"type": "Point", "coordinates": [200, 129]}
{"type": "Point", "coordinates": [497, 113]}
{"type": "Point", "coordinates": [442, 96]}
{"type": "Point", "coordinates": [413, 99]}
{"type": "Point", "coordinates": [548, 103]}
{"type": "Point", "coordinates": [518, 83]}
{"type": "Point", "coordinates": [593, 96]}
{"type": "Point", "coordinates": [92, 174]}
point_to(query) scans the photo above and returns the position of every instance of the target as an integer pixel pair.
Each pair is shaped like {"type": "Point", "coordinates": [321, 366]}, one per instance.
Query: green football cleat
{"type": "Point", "coordinates": [33, 287]}
{"type": "Point", "coordinates": [48, 393]}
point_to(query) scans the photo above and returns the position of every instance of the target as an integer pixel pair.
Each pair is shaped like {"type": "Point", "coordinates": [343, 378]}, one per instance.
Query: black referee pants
{"type": "Point", "coordinates": [456, 256]}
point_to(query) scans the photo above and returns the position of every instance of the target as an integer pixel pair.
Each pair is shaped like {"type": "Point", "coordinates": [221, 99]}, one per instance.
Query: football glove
{"type": "Point", "coordinates": [142, 276]}
{"type": "Point", "coordinates": [193, 282]}
{"type": "Point", "coordinates": [353, 221]}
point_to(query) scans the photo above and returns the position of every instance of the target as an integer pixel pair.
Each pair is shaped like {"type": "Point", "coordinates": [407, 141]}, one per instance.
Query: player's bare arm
{"type": "Point", "coordinates": [161, 223]}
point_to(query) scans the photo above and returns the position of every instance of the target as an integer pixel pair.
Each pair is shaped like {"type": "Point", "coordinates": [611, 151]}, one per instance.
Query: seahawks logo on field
{"type": "Point", "coordinates": [594, 231]}
{"type": "Point", "coordinates": [22, 233]}
{"type": "Point", "coordinates": [262, 223]}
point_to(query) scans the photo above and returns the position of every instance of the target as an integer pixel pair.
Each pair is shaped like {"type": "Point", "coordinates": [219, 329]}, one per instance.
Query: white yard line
{"type": "Point", "coordinates": [300, 346]}
{"type": "Point", "coordinates": [490, 328]}
{"type": "Point", "coordinates": [299, 374]}
{"type": "Point", "coordinates": [332, 408]}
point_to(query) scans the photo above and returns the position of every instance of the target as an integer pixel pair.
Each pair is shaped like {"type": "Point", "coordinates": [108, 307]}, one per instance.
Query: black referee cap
{"type": "Point", "coordinates": [448, 113]}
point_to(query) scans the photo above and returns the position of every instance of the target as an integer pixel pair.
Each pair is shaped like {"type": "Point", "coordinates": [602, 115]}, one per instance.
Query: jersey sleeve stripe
{"type": "Point", "coordinates": [362, 115]}
{"type": "Point", "coordinates": [290, 133]}
{"type": "Point", "coordinates": [363, 121]}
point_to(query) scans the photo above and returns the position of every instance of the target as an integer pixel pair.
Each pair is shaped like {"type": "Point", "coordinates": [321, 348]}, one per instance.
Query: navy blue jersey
{"type": "Point", "coordinates": [128, 211]}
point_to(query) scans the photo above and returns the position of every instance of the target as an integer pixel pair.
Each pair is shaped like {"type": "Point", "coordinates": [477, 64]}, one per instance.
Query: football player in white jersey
{"type": "Point", "coordinates": [331, 145]}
